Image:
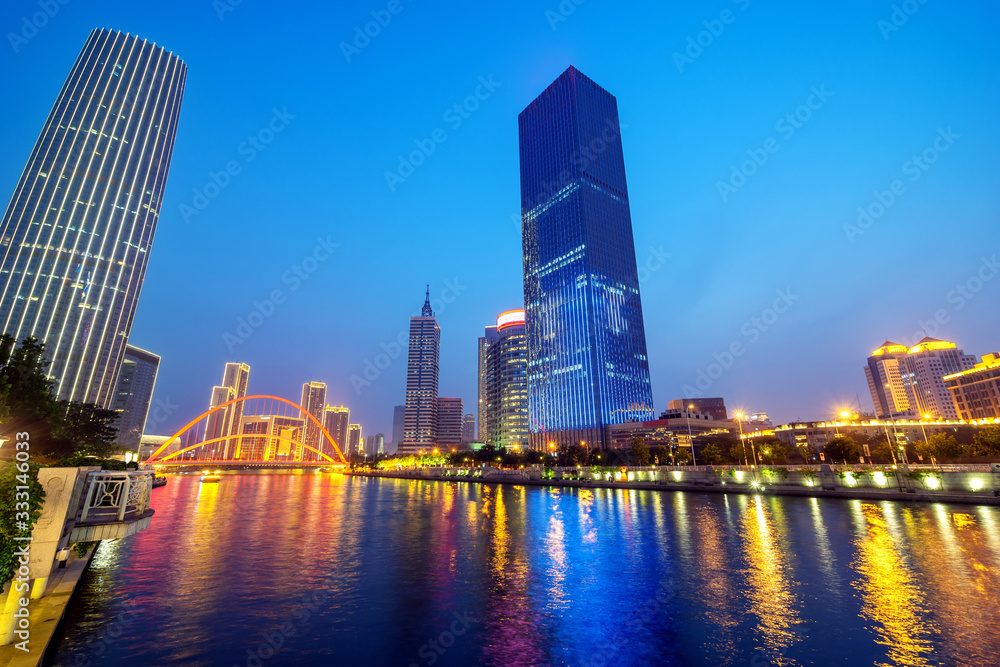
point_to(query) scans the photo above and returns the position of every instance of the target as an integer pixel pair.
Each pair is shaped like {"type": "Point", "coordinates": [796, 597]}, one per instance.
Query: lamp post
{"type": "Point", "coordinates": [922, 429]}
{"type": "Point", "coordinates": [694, 461]}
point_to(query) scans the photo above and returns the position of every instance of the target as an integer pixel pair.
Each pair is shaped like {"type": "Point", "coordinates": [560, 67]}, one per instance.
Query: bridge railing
{"type": "Point", "coordinates": [111, 496]}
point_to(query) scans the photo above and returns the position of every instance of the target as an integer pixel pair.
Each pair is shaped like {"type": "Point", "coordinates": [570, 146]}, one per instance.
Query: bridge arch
{"type": "Point", "coordinates": [205, 415]}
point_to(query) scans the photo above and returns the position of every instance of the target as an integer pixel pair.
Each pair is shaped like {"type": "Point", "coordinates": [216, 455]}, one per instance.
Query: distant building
{"type": "Point", "coordinates": [398, 419]}
{"type": "Point", "coordinates": [269, 438]}
{"type": "Point", "coordinates": [714, 407]}
{"type": "Point", "coordinates": [336, 420]}
{"type": "Point", "coordinates": [314, 403]}
{"type": "Point", "coordinates": [815, 435]}
{"type": "Point", "coordinates": [677, 429]}
{"type": "Point", "coordinates": [375, 444]}
{"type": "Point", "coordinates": [507, 383]}
{"type": "Point", "coordinates": [976, 392]}
{"type": "Point", "coordinates": [224, 424]}
{"type": "Point", "coordinates": [469, 429]}
{"type": "Point", "coordinates": [133, 394]}
{"type": "Point", "coordinates": [421, 418]}
{"type": "Point", "coordinates": [587, 364]}
{"type": "Point", "coordinates": [884, 373]}
{"type": "Point", "coordinates": [449, 421]}
{"type": "Point", "coordinates": [482, 399]}
{"type": "Point", "coordinates": [354, 439]}
{"type": "Point", "coordinates": [924, 368]}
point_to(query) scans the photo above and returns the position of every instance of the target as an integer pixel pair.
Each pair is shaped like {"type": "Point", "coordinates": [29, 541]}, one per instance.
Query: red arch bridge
{"type": "Point", "coordinates": [254, 431]}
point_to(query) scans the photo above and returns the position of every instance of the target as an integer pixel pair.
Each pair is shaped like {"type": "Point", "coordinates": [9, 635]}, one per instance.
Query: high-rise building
{"type": "Point", "coordinates": [714, 407]}
{"type": "Point", "coordinates": [976, 392]}
{"type": "Point", "coordinates": [469, 429]}
{"type": "Point", "coordinates": [355, 441]}
{"type": "Point", "coordinates": [223, 426]}
{"type": "Point", "coordinates": [76, 236]}
{"type": "Point", "coordinates": [313, 402]}
{"type": "Point", "coordinates": [420, 420]}
{"type": "Point", "coordinates": [133, 395]}
{"type": "Point", "coordinates": [587, 364]}
{"type": "Point", "coordinates": [398, 419]}
{"type": "Point", "coordinates": [375, 444]}
{"type": "Point", "coordinates": [924, 368]}
{"type": "Point", "coordinates": [449, 421]}
{"type": "Point", "coordinates": [885, 381]}
{"type": "Point", "coordinates": [336, 420]}
{"type": "Point", "coordinates": [507, 383]}
{"type": "Point", "coordinates": [482, 402]}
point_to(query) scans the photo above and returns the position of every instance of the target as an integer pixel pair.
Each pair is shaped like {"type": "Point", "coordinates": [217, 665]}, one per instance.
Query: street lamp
{"type": "Point", "coordinates": [922, 429]}
{"type": "Point", "coordinates": [694, 461]}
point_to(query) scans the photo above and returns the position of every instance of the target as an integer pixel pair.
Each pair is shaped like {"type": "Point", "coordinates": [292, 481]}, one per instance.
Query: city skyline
{"type": "Point", "coordinates": [727, 259]}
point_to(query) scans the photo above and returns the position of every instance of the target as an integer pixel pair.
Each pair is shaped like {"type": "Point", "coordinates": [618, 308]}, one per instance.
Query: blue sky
{"type": "Point", "coordinates": [889, 91]}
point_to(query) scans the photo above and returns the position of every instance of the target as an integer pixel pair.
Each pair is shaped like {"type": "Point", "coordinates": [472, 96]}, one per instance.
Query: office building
{"type": "Point", "coordinates": [355, 441]}
{"type": "Point", "coordinates": [923, 371]}
{"type": "Point", "coordinates": [398, 418]}
{"type": "Point", "coordinates": [975, 392]}
{"type": "Point", "coordinates": [420, 418]}
{"type": "Point", "coordinates": [885, 382]}
{"type": "Point", "coordinates": [507, 383]}
{"type": "Point", "coordinates": [375, 444]}
{"type": "Point", "coordinates": [133, 395]}
{"type": "Point", "coordinates": [714, 407]}
{"type": "Point", "coordinates": [224, 424]}
{"type": "Point", "coordinates": [313, 402]}
{"type": "Point", "coordinates": [587, 365]}
{"type": "Point", "coordinates": [469, 429]}
{"type": "Point", "coordinates": [482, 400]}
{"type": "Point", "coordinates": [76, 236]}
{"type": "Point", "coordinates": [336, 420]}
{"type": "Point", "coordinates": [269, 438]}
{"type": "Point", "coordinates": [673, 429]}
{"type": "Point", "coordinates": [449, 422]}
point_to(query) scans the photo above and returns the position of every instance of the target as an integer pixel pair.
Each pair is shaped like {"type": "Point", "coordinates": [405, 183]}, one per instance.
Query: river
{"type": "Point", "coordinates": [313, 569]}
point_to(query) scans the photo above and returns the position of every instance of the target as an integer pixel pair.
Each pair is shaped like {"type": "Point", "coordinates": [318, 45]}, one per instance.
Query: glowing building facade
{"type": "Point", "coordinates": [587, 364]}
{"type": "Point", "coordinates": [507, 383]}
{"type": "Point", "coordinates": [314, 402]}
{"type": "Point", "coordinates": [421, 412]}
{"type": "Point", "coordinates": [76, 236]}
{"type": "Point", "coordinates": [885, 382]}
{"type": "Point", "coordinates": [976, 392]}
{"type": "Point", "coordinates": [924, 368]}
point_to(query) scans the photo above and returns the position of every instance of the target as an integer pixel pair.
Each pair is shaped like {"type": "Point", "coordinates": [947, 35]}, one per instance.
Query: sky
{"type": "Point", "coordinates": [753, 134]}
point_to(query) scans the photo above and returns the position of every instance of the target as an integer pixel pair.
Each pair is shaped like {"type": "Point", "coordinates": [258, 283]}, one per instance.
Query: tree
{"type": "Point", "coordinates": [682, 456]}
{"type": "Point", "coordinates": [640, 452]}
{"type": "Point", "coordinates": [771, 451]}
{"type": "Point", "coordinates": [710, 454]}
{"type": "Point", "coordinates": [842, 448]}
{"type": "Point", "coordinates": [987, 442]}
{"type": "Point", "coordinates": [941, 446]}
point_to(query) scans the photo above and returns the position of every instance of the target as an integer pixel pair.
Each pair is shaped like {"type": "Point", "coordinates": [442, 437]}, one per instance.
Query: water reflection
{"type": "Point", "coordinates": [550, 576]}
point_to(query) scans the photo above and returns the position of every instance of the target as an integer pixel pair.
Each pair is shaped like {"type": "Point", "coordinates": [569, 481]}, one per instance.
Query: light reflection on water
{"type": "Point", "coordinates": [539, 575]}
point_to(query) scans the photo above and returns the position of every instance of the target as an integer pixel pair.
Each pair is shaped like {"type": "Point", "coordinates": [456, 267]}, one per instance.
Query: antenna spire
{"type": "Point", "coordinates": [426, 311]}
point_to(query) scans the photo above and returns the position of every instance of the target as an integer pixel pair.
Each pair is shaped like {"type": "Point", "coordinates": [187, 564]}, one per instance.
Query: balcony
{"type": "Point", "coordinates": [115, 505]}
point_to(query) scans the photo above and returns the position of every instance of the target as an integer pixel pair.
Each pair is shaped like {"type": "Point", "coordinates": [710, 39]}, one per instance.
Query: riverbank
{"type": "Point", "coordinates": [976, 485]}
{"type": "Point", "coordinates": [46, 614]}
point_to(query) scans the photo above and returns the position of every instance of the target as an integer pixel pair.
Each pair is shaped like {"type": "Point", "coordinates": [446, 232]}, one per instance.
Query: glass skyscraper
{"type": "Point", "coordinates": [76, 235]}
{"type": "Point", "coordinates": [587, 364]}
{"type": "Point", "coordinates": [133, 394]}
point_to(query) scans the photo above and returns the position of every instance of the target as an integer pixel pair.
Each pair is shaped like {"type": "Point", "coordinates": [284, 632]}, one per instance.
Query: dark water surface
{"type": "Point", "coordinates": [353, 571]}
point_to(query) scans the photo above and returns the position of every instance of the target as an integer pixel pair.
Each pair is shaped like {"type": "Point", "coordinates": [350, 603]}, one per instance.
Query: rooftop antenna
{"type": "Point", "coordinates": [426, 311]}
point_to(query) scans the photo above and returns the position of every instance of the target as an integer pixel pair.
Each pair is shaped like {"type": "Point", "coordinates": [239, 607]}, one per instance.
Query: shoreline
{"type": "Point", "coordinates": [726, 487]}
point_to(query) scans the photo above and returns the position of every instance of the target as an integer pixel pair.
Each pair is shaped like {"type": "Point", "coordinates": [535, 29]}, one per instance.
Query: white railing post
{"type": "Point", "coordinates": [123, 501]}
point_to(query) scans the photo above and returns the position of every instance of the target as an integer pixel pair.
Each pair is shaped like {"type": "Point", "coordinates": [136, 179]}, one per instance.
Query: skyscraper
{"type": "Point", "coordinates": [223, 425]}
{"type": "Point", "coordinates": [924, 368]}
{"type": "Point", "coordinates": [375, 444]}
{"type": "Point", "coordinates": [76, 236]}
{"type": "Point", "coordinates": [420, 422]}
{"type": "Point", "coordinates": [885, 382]}
{"type": "Point", "coordinates": [355, 440]}
{"type": "Point", "coordinates": [449, 422]}
{"type": "Point", "coordinates": [398, 418]}
{"type": "Point", "coordinates": [507, 383]}
{"type": "Point", "coordinates": [587, 364]}
{"type": "Point", "coordinates": [976, 392]}
{"type": "Point", "coordinates": [133, 394]}
{"type": "Point", "coordinates": [314, 402]}
{"type": "Point", "coordinates": [469, 429]}
{"type": "Point", "coordinates": [482, 403]}
{"type": "Point", "coordinates": [336, 420]}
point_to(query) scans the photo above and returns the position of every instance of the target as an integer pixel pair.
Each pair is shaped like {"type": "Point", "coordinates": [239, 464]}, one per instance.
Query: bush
{"type": "Point", "coordinates": [12, 521]}
{"type": "Point", "coordinates": [842, 448]}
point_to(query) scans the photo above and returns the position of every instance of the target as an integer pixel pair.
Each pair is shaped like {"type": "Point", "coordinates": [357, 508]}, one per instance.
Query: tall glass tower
{"type": "Point", "coordinates": [76, 235]}
{"type": "Point", "coordinates": [420, 418]}
{"type": "Point", "coordinates": [587, 365]}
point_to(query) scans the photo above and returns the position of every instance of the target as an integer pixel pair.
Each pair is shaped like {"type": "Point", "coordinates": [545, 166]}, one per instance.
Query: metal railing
{"type": "Point", "coordinates": [111, 496]}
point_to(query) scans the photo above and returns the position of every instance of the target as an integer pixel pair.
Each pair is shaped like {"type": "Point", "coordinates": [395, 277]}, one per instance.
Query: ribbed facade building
{"type": "Point", "coordinates": [336, 420]}
{"type": "Point", "coordinates": [421, 415]}
{"type": "Point", "coordinates": [885, 380]}
{"type": "Point", "coordinates": [482, 403]}
{"type": "Point", "coordinates": [587, 364]}
{"type": "Point", "coordinates": [924, 368]}
{"type": "Point", "coordinates": [507, 383]}
{"type": "Point", "coordinates": [76, 236]}
{"type": "Point", "coordinates": [314, 402]}
{"type": "Point", "coordinates": [133, 394]}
